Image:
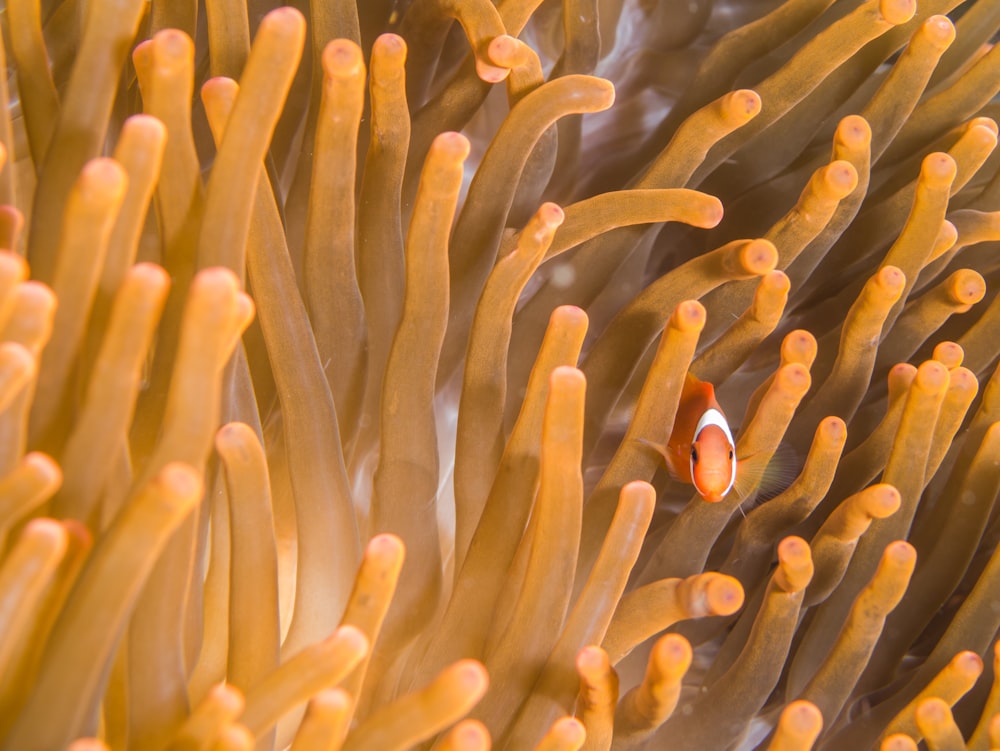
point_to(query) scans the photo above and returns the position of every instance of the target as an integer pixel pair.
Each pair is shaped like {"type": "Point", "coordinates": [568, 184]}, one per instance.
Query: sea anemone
{"type": "Point", "coordinates": [331, 364]}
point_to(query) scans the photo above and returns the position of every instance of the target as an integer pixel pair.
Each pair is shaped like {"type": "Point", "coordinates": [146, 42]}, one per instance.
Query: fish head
{"type": "Point", "coordinates": [713, 458]}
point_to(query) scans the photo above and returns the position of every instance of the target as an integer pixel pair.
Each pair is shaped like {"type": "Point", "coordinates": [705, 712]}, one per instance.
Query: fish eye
{"type": "Point", "coordinates": [730, 454]}
{"type": "Point", "coordinates": [694, 454]}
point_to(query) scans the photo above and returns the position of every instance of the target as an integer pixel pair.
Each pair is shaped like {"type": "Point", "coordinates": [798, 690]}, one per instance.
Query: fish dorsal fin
{"type": "Point", "coordinates": [698, 392]}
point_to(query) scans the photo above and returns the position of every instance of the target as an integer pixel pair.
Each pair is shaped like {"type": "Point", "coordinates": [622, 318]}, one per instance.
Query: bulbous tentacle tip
{"type": "Point", "coordinates": [452, 146]}
{"type": "Point", "coordinates": [491, 73]}
{"type": "Point", "coordinates": [759, 257]}
{"type": "Point", "coordinates": [841, 178]}
{"type": "Point", "coordinates": [853, 132]}
{"type": "Point", "coordinates": [901, 553]}
{"type": "Point", "coordinates": [742, 105]}
{"type": "Point", "coordinates": [891, 280]}
{"type": "Point", "coordinates": [550, 215]}
{"type": "Point", "coordinates": [689, 315]}
{"type": "Point", "coordinates": [938, 169]}
{"type": "Point", "coordinates": [724, 595]}
{"type": "Point", "coordinates": [342, 58]}
{"type": "Point", "coordinates": [389, 45]}
{"type": "Point", "coordinates": [940, 31]}
{"type": "Point", "coordinates": [285, 19]}
{"type": "Point", "coordinates": [897, 12]}
{"type": "Point", "coordinates": [898, 742]}
{"type": "Point", "coordinates": [801, 720]}
{"type": "Point", "coordinates": [795, 564]}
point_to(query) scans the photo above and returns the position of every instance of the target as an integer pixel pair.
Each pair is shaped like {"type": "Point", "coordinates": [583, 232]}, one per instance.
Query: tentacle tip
{"type": "Point", "coordinates": [901, 553]}
{"type": "Point", "coordinates": [886, 500]}
{"type": "Point", "coordinates": [352, 638]}
{"type": "Point", "coordinates": [676, 650]}
{"type": "Point", "coordinates": [490, 73]}
{"type": "Point", "coordinates": [470, 734]}
{"type": "Point", "coordinates": [891, 279]}
{"type": "Point", "coordinates": [102, 179]}
{"type": "Point", "coordinates": [689, 315]}
{"type": "Point", "coordinates": [799, 345]}
{"type": "Point", "coordinates": [949, 354]}
{"type": "Point", "coordinates": [591, 660]}
{"type": "Point", "coordinates": [149, 275]}
{"type": "Point", "coordinates": [834, 429]}
{"type": "Point", "coordinates": [569, 732]}
{"type": "Point", "coordinates": [938, 168]}
{"type": "Point", "coordinates": [471, 677]}
{"type": "Point", "coordinates": [390, 45]}
{"type": "Point", "coordinates": [227, 698]}
{"type": "Point", "coordinates": [841, 178]}
{"type": "Point", "coordinates": [946, 239]}
{"type": "Point", "coordinates": [759, 257]}
{"type": "Point", "coordinates": [969, 662]}
{"type": "Point", "coordinates": [725, 595]}
{"type": "Point", "coordinates": [452, 145]}
{"type": "Point", "coordinates": [972, 289]}
{"type": "Point", "coordinates": [172, 48]}
{"type": "Point", "coordinates": [711, 213]}
{"type": "Point", "coordinates": [570, 316]}
{"type": "Point", "coordinates": [386, 544]}
{"type": "Point", "coordinates": [985, 123]}
{"type": "Point", "coordinates": [854, 131]}
{"type": "Point", "coordinates": [898, 742]}
{"type": "Point", "coordinates": [335, 700]}
{"type": "Point", "coordinates": [286, 15]}
{"type": "Point", "coordinates": [897, 12]}
{"type": "Point", "coordinates": [639, 490]}
{"type": "Point", "coordinates": [232, 436]}
{"type": "Point", "coordinates": [342, 58]}
{"type": "Point", "coordinates": [47, 533]}
{"type": "Point", "coordinates": [940, 31]}
{"type": "Point", "coordinates": [219, 86]}
{"type": "Point", "coordinates": [795, 377]}
{"type": "Point", "coordinates": [149, 128]}
{"type": "Point", "coordinates": [566, 378]}
{"type": "Point", "coordinates": [551, 214]}
{"type": "Point", "coordinates": [931, 376]}
{"type": "Point", "coordinates": [777, 281]}
{"type": "Point", "coordinates": [606, 93]}
{"type": "Point", "coordinates": [744, 104]}
{"type": "Point", "coordinates": [181, 481]}
{"type": "Point", "coordinates": [792, 548]}
{"type": "Point", "coordinates": [503, 50]}
{"type": "Point", "coordinates": [801, 717]}
{"type": "Point", "coordinates": [933, 710]}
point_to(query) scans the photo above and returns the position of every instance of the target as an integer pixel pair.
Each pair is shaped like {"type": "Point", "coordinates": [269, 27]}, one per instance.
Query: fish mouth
{"type": "Point", "coordinates": [714, 487]}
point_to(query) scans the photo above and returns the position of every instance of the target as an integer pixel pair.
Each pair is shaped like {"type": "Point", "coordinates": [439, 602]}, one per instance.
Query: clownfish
{"type": "Point", "coordinates": [701, 450]}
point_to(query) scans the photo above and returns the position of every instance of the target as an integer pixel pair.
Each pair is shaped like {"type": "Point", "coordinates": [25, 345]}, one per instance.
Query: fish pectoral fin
{"type": "Point", "coordinates": [749, 473]}
{"type": "Point", "coordinates": [659, 448]}
{"type": "Point", "coordinates": [668, 456]}
{"type": "Point", "coordinates": [765, 472]}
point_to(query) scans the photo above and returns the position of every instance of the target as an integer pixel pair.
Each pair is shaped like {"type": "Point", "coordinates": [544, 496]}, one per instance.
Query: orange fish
{"type": "Point", "coordinates": [701, 450]}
